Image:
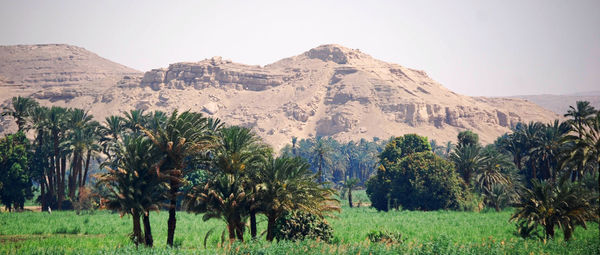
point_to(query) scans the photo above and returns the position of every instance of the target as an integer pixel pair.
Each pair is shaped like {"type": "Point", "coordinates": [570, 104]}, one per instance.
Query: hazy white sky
{"type": "Point", "coordinates": [491, 48]}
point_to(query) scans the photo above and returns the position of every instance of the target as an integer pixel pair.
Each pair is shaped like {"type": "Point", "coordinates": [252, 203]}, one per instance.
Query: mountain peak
{"type": "Point", "coordinates": [335, 53]}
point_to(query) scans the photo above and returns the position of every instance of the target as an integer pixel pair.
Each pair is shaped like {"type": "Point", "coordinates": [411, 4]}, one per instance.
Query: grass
{"type": "Point", "coordinates": [436, 232]}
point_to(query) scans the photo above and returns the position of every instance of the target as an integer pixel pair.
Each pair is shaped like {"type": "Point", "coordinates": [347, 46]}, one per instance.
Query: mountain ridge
{"type": "Point", "coordinates": [329, 90]}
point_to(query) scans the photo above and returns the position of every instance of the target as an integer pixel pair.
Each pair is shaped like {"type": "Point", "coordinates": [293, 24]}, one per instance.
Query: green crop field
{"type": "Point", "coordinates": [436, 232]}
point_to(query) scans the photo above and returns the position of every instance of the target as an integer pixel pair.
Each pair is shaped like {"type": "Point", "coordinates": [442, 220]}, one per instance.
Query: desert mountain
{"type": "Point", "coordinates": [560, 103]}
{"type": "Point", "coordinates": [327, 91]}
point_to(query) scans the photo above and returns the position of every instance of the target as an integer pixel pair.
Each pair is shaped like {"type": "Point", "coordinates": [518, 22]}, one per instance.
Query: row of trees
{"type": "Point", "coordinates": [337, 162]}
{"type": "Point", "coordinates": [546, 171]}
{"type": "Point", "coordinates": [154, 161]}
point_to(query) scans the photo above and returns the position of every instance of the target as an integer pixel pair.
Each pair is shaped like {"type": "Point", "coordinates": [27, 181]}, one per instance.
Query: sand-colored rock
{"type": "Point", "coordinates": [329, 90]}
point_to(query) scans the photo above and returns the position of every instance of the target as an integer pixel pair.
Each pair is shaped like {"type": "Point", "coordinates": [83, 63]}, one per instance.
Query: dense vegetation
{"type": "Point", "coordinates": [142, 162]}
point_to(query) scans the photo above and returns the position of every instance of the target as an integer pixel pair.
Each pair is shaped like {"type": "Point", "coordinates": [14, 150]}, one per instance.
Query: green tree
{"type": "Point", "coordinates": [564, 205]}
{"type": "Point", "coordinates": [321, 154]}
{"type": "Point", "coordinates": [468, 161]}
{"type": "Point", "coordinates": [21, 106]}
{"type": "Point", "coordinates": [235, 159]}
{"type": "Point", "coordinates": [350, 185]}
{"type": "Point", "coordinates": [286, 185]}
{"type": "Point", "coordinates": [467, 138]}
{"type": "Point", "coordinates": [134, 187]}
{"type": "Point", "coordinates": [15, 178]}
{"type": "Point", "coordinates": [403, 146]}
{"type": "Point", "coordinates": [411, 176]}
{"type": "Point", "coordinates": [183, 135]}
{"type": "Point", "coordinates": [584, 148]}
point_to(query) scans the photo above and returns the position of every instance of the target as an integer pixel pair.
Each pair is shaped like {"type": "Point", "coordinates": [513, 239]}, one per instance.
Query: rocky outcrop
{"type": "Point", "coordinates": [213, 72]}
{"type": "Point", "coordinates": [327, 91]}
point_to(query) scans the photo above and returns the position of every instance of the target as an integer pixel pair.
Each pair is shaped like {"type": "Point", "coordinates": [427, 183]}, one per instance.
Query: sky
{"type": "Point", "coordinates": [476, 48]}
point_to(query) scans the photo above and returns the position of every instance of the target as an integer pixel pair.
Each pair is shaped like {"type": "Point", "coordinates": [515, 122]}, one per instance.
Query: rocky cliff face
{"type": "Point", "coordinates": [213, 72]}
{"type": "Point", "coordinates": [327, 91]}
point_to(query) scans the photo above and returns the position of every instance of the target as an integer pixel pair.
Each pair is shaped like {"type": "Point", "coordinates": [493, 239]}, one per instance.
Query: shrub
{"type": "Point", "coordinates": [384, 236]}
{"type": "Point", "coordinates": [419, 181]}
{"type": "Point", "coordinates": [298, 225]}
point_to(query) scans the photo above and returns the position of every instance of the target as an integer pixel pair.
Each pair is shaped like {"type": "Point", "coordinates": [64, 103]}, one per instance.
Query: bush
{"type": "Point", "coordinates": [376, 236]}
{"type": "Point", "coordinates": [298, 225]}
{"type": "Point", "coordinates": [419, 181]}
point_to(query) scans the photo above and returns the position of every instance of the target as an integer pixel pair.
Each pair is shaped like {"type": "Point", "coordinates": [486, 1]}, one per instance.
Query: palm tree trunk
{"type": "Point", "coordinates": [61, 181]}
{"type": "Point", "coordinates": [137, 230]}
{"type": "Point", "coordinates": [43, 195]}
{"type": "Point", "coordinates": [270, 227]}
{"type": "Point", "coordinates": [549, 231]}
{"type": "Point", "coordinates": [350, 197]}
{"type": "Point", "coordinates": [147, 230]}
{"type": "Point", "coordinates": [87, 167]}
{"type": "Point", "coordinates": [239, 231]}
{"type": "Point", "coordinates": [253, 224]}
{"type": "Point", "coordinates": [231, 229]}
{"type": "Point", "coordinates": [172, 222]}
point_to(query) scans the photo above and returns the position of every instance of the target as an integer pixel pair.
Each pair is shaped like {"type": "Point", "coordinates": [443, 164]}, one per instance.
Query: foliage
{"type": "Point", "coordinates": [15, 178]}
{"type": "Point", "coordinates": [418, 180]}
{"type": "Point", "coordinates": [298, 225]}
{"type": "Point", "coordinates": [345, 160]}
{"type": "Point", "coordinates": [468, 138]}
{"type": "Point", "coordinates": [403, 146]}
{"type": "Point", "coordinates": [565, 205]}
{"type": "Point", "coordinates": [384, 236]}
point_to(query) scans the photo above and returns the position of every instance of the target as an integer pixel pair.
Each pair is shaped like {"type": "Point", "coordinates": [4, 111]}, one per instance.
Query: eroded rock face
{"type": "Point", "coordinates": [214, 72]}
{"type": "Point", "coordinates": [327, 91]}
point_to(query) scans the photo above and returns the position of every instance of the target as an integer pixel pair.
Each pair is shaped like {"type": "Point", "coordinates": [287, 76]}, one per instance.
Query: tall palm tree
{"type": "Point", "coordinates": [581, 115]}
{"type": "Point", "coordinates": [183, 135]}
{"type": "Point", "coordinates": [350, 185]}
{"type": "Point", "coordinates": [321, 155]}
{"type": "Point", "coordinates": [585, 147]}
{"type": "Point", "coordinates": [286, 185]}
{"type": "Point", "coordinates": [38, 119]}
{"type": "Point", "coordinates": [57, 117]}
{"type": "Point", "coordinates": [236, 158]}
{"type": "Point", "coordinates": [548, 147]}
{"type": "Point", "coordinates": [134, 187]}
{"type": "Point", "coordinates": [110, 133]}
{"type": "Point", "coordinates": [531, 136]}
{"type": "Point", "coordinates": [468, 160]}
{"type": "Point", "coordinates": [294, 141]}
{"type": "Point", "coordinates": [20, 110]}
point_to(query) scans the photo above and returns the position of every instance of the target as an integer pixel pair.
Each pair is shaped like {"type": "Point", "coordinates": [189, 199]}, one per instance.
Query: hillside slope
{"type": "Point", "coordinates": [327, 91]}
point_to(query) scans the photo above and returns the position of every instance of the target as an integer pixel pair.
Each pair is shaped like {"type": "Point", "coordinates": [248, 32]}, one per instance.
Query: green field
{"type": "Point", "coordinates": [436, 232]}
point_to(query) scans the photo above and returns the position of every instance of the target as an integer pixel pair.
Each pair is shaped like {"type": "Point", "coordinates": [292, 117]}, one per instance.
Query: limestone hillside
{"type": "Point", "coordinates": [327, 91]}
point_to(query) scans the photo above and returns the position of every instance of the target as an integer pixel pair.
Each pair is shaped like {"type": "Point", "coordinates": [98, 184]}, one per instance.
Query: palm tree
{"type": "Point", "coordinates": [20, 110]}
{"type": "Point", "coordinates": [493, 170]}
{"type": "Point", "coordinates": [38, 119]}
{"type": "Point", "coordinates": [57, 117]}
{"type": "Point", "coordinates": [294, 141]}
{"type": "Point", "coordinates": [548, 147]}
{"type": "Point", "coordinates": [134, 119]}
{"type": "Point", "coordinates": [286, 185]}
{"type": "Point", "coordinates": [321, 154]}
{"type": "Point", "coordinates": [110, 134]}
{"type": "Point", "coordinates": [468, 161]}
{"type": "Point", "coordinates": [350, 184]}
{"type": "Point", "coordinates": [236, 158]}
{"type": "Point", "coordinates": [582, 115]}
{"type": "Point", "coordinates": [585, 147]}
{"type": "Point", "coordinates": [548, 205]}
{"type": "Point", "coordinates": [134, 187]}
{"type": "Point", "coordinates": [183, 135]}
